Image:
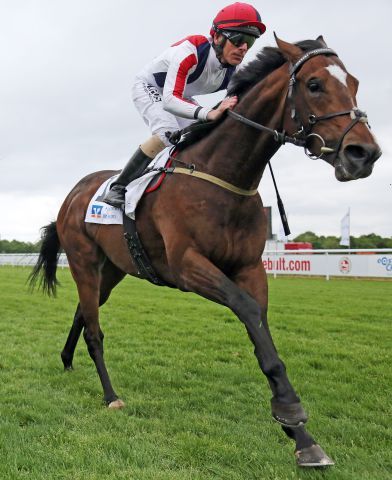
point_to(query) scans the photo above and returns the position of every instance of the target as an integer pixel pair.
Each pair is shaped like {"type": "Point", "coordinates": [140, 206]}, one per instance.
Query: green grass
{"type": "Point", "coordinates": [197, 406]}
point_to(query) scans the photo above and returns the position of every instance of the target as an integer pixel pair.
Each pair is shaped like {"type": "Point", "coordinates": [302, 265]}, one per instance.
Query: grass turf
{"type": "Point", "coordinates": [197, 406]}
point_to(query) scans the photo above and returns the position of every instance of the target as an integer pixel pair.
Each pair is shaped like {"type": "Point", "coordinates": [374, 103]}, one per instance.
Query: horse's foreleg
{"type": "Point", "coordinates": [285, 403]}
{"type": "Point", "coordinates": [307, 451]}
{"type": "Point", "coordinates": [198, 274]}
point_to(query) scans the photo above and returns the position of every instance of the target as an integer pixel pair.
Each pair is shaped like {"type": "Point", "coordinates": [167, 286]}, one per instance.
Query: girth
{"type": "Point", "coordinates": [140, 258]}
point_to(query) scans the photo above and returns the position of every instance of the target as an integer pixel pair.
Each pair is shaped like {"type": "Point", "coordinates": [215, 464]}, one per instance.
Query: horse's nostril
{"type": "Point", "coordinates": [356, 152]}
{"type": "Point", "coordinates": [361, 153]}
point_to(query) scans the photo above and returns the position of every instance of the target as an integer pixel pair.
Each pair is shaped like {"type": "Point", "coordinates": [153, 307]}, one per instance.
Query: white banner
{"type": "Point", "coordinates": [341, 265]}
{"type": "Point", "coordinates": [345, 230]}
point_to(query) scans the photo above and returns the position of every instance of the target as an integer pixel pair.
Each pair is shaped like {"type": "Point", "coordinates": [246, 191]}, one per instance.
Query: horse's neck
{"type": "Point", "coordinates": [239, 153]}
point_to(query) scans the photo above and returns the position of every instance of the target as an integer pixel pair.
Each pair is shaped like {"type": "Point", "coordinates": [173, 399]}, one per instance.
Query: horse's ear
{"type": "Point", "coordinates": [322, 41]}
{"type": "Point", "coordinates": [290, 51]}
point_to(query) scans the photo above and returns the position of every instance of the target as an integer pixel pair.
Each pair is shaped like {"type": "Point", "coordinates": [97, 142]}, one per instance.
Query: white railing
{"type": "Point", "coordinates": [27, 259]}
{"type": "Point", "coordinates": [327, 263]}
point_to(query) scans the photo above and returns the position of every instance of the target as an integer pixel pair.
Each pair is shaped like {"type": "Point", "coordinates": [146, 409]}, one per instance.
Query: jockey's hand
{"type": "Point", "coordinates": [227, 103]}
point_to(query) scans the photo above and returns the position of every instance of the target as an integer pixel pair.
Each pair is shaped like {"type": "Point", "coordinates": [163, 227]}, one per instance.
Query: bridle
{"type": "Point", "coordinates": [304, 133]}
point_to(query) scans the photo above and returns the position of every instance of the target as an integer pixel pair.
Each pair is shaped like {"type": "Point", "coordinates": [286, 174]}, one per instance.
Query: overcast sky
{"type": "Point", "coordinates": [65, 110]}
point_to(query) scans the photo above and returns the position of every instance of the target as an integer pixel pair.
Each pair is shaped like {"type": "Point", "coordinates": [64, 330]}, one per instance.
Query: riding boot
{"type": "Point", "coordinates": [133, 169]}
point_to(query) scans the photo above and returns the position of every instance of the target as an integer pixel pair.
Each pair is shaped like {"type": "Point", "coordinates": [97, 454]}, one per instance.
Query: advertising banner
{"type": "Point", "coordinates": [341, 265]}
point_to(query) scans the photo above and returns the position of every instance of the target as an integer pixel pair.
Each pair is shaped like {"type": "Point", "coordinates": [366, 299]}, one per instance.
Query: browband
{"type": "Point", "coordinates": [312, 53]}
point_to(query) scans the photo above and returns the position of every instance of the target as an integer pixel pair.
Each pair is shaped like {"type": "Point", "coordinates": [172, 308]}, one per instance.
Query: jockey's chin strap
{"type": "Point", "coordinates": [218, 48]}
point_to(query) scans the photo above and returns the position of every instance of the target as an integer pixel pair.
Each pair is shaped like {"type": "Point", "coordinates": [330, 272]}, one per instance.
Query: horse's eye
{"type": "Point", "coordinates": [314, 85]}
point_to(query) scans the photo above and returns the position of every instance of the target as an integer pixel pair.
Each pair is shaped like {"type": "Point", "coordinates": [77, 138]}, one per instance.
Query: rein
{"type": "Point", "coordinates": [303, 134]}
{"type": "Point", "coordinates": [301, 141]}
{"type": "Point", "coordinates": [279, 137]}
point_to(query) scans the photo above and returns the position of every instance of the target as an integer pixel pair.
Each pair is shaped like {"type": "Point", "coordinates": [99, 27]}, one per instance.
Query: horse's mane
{"type": "Point", "coordinates": [266, 61]}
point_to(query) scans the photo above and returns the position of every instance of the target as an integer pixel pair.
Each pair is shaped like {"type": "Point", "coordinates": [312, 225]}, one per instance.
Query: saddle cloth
{"type": "Point", "coordinates": [100, 212]}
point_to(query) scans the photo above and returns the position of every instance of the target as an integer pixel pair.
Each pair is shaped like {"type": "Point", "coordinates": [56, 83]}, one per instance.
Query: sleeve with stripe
{"type": "Point", "coordinates": [183, 62]}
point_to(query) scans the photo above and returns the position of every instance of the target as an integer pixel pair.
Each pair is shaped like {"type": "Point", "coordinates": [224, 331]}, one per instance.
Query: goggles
{"type": "Point", "coordinates": [238, 38]}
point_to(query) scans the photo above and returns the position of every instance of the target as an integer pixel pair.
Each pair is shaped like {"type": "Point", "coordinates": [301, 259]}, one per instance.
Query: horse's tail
{"type": "Point", "coordinates": [46, 266]}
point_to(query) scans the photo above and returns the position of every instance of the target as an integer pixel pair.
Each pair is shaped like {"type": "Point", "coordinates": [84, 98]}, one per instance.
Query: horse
{"type": "Point", "coordinates": [206, 238]}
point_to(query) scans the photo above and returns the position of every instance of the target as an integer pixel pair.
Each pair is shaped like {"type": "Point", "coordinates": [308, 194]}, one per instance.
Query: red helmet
{"type": "Point", "coordinates": [238, 16]}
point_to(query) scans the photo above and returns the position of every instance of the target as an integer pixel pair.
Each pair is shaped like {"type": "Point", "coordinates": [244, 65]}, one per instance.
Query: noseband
{"type": "Point", "coordinates": [304, 134]}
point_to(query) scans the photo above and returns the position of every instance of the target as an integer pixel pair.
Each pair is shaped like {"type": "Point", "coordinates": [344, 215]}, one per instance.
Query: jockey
{"type": "Point", "coordinates": [163, 91]}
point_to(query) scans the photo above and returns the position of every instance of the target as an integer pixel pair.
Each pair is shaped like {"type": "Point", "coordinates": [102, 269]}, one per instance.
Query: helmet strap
{"type": "Point", "coordinates": [218, 48]}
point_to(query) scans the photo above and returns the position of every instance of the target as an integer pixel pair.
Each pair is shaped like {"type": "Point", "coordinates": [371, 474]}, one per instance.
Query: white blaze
{"type": "Point", "coordinates": [338, 73]}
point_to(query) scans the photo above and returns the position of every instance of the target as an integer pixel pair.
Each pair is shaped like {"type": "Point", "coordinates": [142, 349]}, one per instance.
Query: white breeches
{"type": "Point", "coordinates": [148, 101]}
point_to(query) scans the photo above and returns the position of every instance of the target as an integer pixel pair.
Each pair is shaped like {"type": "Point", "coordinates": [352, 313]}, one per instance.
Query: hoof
{"type": "Point", "coordinates": [313, 456]}
{"type": "Point", "coordinates": [68, 368]}
{"type": "Point", "coordinates": [289, 415]}
{"type": "Point", "coordinates": [67, 361]}
{"type": "Point", "coordinates": [116, 404]}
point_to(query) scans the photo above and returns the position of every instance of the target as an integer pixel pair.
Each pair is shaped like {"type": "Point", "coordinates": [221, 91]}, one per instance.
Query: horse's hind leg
{"type": "Point", "coordinates": [110, 277]}
{"type": "Point", "coordinates": [85, 268]}
{"type": "Point", "coordinates": [73, 337]}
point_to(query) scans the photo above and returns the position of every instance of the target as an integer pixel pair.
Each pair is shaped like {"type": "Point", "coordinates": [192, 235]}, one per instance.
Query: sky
{"type": "Point", "coordinates": [65, 107]}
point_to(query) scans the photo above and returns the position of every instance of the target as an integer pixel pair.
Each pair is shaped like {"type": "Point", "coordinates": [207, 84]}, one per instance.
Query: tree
{"type": "Point", "coordinates": [309, 237]}
{"type": "Point", "coordinates": [364, 241]}
{"type": "Point", "coordinates": [15, 246]}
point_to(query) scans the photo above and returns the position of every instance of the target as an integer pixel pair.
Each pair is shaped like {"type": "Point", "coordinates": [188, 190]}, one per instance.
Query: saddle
{"type": "Point", "coordinates": [181, 139]}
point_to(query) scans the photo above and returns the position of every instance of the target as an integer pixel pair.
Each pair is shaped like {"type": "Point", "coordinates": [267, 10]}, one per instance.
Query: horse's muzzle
{"type": "Point", "coordinates": [356, 161]}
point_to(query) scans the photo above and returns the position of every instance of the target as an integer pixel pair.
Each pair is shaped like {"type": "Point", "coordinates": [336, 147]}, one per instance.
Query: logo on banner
{"type": "Point", "coordinates": [345, 265]}
{"type": "Point", "coordinates": [96, 211]}
{"type": "Point", "coordinates": [386, 263]}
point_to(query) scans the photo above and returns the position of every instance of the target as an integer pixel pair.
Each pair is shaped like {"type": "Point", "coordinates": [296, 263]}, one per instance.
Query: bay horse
{"type": "Point", "coordinates": [205, 239]}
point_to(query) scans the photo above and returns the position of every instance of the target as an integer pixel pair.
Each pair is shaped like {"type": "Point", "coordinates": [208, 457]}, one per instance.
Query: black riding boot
{"type": "Point", "coordinates": [133, 169]}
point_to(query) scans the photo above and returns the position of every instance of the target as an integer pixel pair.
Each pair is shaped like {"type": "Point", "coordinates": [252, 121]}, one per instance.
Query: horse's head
{"type": "Point", "coordinates": [321, 105]}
